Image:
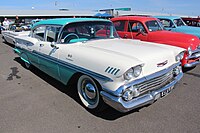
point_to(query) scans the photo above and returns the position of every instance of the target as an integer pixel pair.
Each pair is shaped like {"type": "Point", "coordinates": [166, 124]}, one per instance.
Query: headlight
{"type": "Point", "coordinates": [189, 50]}
{"type": "Point", "coordinates": [133, 72]}
{"type": "Point", "coordinates": [129, 74]}
{"type": "Point", "coordinates": [180, 56]}
{"type": "Point", "coordinates": [177, 70]}
{"type": "Point", "coordinates": [137, 71]}
{"type": "Point", "coordinates": [130, 93]}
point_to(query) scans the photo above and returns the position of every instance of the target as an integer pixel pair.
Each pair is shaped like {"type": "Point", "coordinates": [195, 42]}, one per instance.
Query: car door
{"type": "Point", "coordinates": [136, 30]}
{"type": "Point", "coordinates": [47, 53]}
{"type": "Point", "coordinates": [120, 26]}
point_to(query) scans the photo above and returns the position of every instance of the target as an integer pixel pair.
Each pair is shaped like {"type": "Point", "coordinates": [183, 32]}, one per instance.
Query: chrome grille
{"type": "Point", "coordinates": [155, 83]}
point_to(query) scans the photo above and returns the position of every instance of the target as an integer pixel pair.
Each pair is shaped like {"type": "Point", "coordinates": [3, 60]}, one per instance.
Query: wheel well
{"type": "Point", "coordinates": [75, 77]}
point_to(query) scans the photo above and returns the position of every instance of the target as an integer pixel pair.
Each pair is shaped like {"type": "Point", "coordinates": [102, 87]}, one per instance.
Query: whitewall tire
{"type": "Point", "coordinates": [88, 92]}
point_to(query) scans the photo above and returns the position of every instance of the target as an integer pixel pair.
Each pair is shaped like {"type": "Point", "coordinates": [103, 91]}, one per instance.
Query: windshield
{"type": "Point", "coordinates": [179, 22]}
{"type": "Point", "coordinates": [154, 25]}
{"type": "Point", "coordinates": [83, 31]}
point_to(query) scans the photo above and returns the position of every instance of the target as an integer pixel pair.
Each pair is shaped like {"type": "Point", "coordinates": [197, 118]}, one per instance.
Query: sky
{"type": "Point", "coordinates": [182, 7]}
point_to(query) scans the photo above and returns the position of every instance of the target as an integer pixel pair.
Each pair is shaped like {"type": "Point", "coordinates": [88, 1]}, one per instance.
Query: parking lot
{"type": "Point", "coordinates": [33, 102]}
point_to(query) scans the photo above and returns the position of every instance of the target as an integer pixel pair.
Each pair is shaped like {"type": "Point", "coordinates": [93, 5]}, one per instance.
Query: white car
{"type": "Point", "coordinates": [13, 31]}
{"type": "Point", "coordinates": [124, 74]}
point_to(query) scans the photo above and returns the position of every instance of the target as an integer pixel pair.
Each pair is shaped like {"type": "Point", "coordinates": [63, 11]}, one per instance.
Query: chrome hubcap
{"type": "Point", "coordinates": [90, 91]}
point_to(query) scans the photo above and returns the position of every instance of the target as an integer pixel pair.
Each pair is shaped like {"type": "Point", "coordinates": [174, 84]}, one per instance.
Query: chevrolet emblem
{"type": "Point", "coordinates": [162, 64]}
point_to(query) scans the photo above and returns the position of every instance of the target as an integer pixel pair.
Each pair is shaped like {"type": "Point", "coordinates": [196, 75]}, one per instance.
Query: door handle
{"type": "Point", "coordinates": [125, 36]}
{"type": "Point", "coordinates": [41, 45]}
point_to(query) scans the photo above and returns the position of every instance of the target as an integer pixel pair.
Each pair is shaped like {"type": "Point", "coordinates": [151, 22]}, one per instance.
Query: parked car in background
{"type": "Point", "coordinates": [13, 31]}
{"type": "Point", "coordinates": [35, 21]}
{"type": "Point", "coordinates": [125, 74]}
{"type": "Point", "coordinates": [192, 21]}
{"type": "Point", "coordinates": [176, 24]}
{"type": "Point", "coordinates": [151, 30]}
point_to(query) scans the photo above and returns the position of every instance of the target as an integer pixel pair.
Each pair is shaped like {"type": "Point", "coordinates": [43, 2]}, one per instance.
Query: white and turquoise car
{"type": "Point", "coordinates": [176, 24]}
{"type": "Point", "coordinates": [13, 31]}
{"type": "Point", "coordinates": [124, 74]}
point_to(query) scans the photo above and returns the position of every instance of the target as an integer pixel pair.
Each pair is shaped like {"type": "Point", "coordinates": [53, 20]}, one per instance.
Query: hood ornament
{"type": "Point", "coordinates": [162, 64]}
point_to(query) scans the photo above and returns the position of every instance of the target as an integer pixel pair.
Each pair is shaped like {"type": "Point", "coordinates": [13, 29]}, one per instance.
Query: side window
{"type": "Point", "coordinates": [153, 25]}
{"type": "Point", "coordinates": [39, 33]}
{"type": "Point", "coordinates": [52, 33]}
{"type": "Point", "coordinates": [166, 23]}
{"type": "Point", "coordinates": [119, 25]}
{"type": "Point", "coordinates": [198, 24]}
{"type": "Point", "coordinates": [135, 27]}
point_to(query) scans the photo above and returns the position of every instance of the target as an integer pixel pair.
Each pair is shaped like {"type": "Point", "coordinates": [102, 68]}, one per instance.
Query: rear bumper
{"type": "Point", "coordinates": [118, 103]}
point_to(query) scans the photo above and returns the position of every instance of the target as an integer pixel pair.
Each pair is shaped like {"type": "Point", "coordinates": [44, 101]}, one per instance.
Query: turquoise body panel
{"type": "Point", "coordinates": [50, 67]}
{"type": "Point", "coordinates": [65, 74]}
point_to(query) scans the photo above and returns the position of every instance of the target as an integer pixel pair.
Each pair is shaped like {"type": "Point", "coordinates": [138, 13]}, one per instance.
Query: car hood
{"type": "Point", "coordinates": [189, 30]}
{"type": "Point", "coordinates": [127, 53]}
{"type": "Point", "coordinates": [175, 39]}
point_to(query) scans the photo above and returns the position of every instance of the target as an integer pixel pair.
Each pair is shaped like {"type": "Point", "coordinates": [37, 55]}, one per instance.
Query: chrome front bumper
{"type": "Point", "coordinates": [118, 103]}
{"type": "Point", "coordinates": [194, 55]}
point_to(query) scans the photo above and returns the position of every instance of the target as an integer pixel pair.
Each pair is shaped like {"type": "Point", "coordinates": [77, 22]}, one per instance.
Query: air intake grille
{"type": "Point", "coordinates": [112, 70]}
{"type": "Point", "coordinates": [155, 83]}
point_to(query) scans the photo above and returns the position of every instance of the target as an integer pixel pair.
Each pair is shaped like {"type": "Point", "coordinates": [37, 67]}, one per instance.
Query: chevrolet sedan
{"type": "Point", "coordinates": [124, 74]}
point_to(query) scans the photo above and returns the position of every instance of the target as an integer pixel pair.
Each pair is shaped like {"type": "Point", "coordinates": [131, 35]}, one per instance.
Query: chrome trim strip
{"type": "Point", "coordinates": [124, 106]}
{"type": "Point", "coordinates": [119, 91]}
{"type": "Point", "coordinates": [69, 65]}
{"type": "Point", "coordinates": [17, 51]}
{"type": "Point", "coordinates": [193, 56]}
{"type": "Point", "coordinates": [192, 64]}
{"type": "Point", "coordinates": [195, 51]}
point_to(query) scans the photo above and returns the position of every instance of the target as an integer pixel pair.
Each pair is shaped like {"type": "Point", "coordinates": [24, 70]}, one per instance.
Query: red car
{"type": "Point", "coordinates": [150, 29]}
{"type": "Point", "coordinates": [192, 21]}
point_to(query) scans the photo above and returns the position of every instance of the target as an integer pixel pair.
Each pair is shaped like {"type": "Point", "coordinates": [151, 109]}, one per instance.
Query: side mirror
{"type": "Point", "coordinates": [53, 45]}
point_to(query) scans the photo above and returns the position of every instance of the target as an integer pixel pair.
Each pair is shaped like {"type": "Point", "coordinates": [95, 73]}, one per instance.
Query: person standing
{"type": "Point", "coordinates": [17, 21]}
{"type": "Point", "coordinates": [6, 23]}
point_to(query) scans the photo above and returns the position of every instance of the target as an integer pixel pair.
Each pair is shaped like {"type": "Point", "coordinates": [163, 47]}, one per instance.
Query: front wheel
{"type": "Point", "coordinates": [88, 92]}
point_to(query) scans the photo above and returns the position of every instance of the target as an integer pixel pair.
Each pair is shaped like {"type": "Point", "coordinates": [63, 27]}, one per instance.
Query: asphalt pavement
{"type": "Point", "coordinates": [33, 102]}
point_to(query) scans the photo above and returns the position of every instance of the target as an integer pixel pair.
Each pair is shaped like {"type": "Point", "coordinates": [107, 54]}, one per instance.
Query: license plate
{"type": "Point", "coordinates": [166, 92]}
